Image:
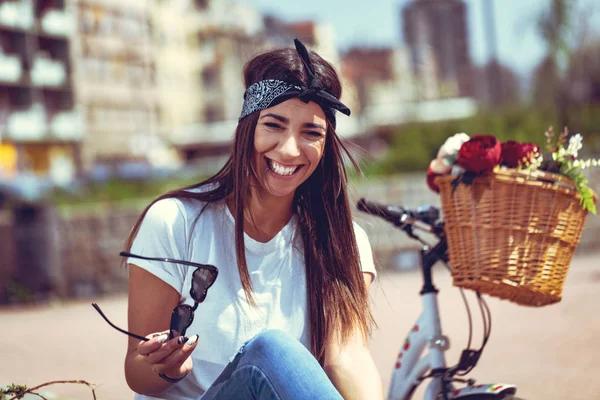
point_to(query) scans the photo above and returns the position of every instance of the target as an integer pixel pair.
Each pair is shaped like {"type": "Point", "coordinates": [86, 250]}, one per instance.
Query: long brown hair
{"type": "Point", "coordinates": [337, 298]}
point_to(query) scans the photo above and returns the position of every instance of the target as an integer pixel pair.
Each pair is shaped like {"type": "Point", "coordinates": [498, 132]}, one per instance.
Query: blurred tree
{"type": "Point", "coordinates": [545, 85]}
{"type": "Point", "coordinates": [555, 27]}
{"type": "Point", "coordinates": [583, 74]}
{"type": "Point", "coordinates": [506, 95]}
{"type": "Point", "coordinates": [413, 146]}
{"type": "Point", "coordinates": [567, 77]}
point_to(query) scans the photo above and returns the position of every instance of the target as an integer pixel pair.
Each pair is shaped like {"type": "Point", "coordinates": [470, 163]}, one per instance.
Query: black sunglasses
{"type": "Point", "coordinates": [183, 315]}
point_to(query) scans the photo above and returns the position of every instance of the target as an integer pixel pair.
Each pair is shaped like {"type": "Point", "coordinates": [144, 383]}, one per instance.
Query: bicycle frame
{"type": "Point", "coordinates": [411, 365]}
{"type": "Point", "coordinates": [426, 335]}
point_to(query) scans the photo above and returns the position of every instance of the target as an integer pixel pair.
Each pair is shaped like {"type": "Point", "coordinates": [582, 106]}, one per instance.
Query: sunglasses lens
{"type": "Point", "coordinates": [203, 279]}
{"type": "Point", "coordinates": [180, 320]}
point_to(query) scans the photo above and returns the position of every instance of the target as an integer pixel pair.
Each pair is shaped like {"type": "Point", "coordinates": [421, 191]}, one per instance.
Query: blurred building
{"type": "Point", "coordinates": [115, 76]}
{"type": "Point", "coordinates": [390, 93]}
{"type": "Point", "coordinates": [439, 28]}
{"type": "Point", "coordinates": [178, 89]}
{"type": "Point", "coordinates": [161, 80]}
{"type": "Point", "coordinates": [380, 75]}
{"type": "Point", "coordinates": [225, 33]}
{"type": "Point", "coordinates": [41, 128]}
{"type": "Point", "coordinates": [316, 36]}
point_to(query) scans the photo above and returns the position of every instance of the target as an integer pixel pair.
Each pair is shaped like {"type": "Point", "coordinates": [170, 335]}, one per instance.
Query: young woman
{"type": "Point", "coordinates": [288, 315]}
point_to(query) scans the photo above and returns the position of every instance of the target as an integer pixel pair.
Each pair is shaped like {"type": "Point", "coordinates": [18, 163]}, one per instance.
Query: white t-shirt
{"type": "Point", "coordinates": [225, 320]}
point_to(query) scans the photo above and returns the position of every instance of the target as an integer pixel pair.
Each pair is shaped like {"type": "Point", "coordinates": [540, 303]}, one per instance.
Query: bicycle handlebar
{"type": "Point", "coordinates": [393, 214]}
{"type": "Point", "coordinates": [424, 218]}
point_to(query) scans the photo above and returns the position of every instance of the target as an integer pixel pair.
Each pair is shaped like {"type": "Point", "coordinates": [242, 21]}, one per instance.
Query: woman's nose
{"type": "Point", "coordinates": [289, 146]}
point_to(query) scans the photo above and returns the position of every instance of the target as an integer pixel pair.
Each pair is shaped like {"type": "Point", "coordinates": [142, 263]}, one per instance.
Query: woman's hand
{"type": "Point", "coordinates": [171, 357]}
{"type": "Point", "coordinates": [151, 302]}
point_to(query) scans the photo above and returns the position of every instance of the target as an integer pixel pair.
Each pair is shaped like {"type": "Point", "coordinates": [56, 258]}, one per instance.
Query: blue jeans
{"type": "Point", "coordinates": [272, 366]}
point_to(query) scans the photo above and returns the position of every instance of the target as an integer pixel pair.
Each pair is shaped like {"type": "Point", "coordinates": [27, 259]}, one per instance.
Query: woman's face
{"type": "Point", "coordinates": [289, 141]}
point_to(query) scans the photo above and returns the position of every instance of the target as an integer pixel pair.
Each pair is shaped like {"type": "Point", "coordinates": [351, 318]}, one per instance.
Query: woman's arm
{"type": "Point", "coordinates": [351, 368]}
{"type": "Point", "coordinates": [151, 302]}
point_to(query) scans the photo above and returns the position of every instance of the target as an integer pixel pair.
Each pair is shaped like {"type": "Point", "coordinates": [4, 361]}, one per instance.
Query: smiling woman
{"type": "Point", "coordinates": [288, 316]}
{"type": "Point", "coordinates": [289, 142]}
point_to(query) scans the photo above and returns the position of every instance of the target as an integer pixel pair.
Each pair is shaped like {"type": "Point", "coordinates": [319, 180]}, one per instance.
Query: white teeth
{"type": "Point", "coordinates": [282, 170]}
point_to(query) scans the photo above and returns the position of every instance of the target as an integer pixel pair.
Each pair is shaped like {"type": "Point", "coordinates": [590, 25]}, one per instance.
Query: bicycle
{"type": "Point", "coordinates": [412, 367]}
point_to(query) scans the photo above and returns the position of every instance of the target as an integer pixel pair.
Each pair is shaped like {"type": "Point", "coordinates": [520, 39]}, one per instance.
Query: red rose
{"type": "Point", "coordinates": [480, 154]}
{"type": "Point", "coordinates": [514, 152]}
{"type": "Point", "coordinates": [431, 180]}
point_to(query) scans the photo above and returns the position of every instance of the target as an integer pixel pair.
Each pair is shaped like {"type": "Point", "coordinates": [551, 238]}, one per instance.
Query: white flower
{"type": "Point", "coordinates": [536, 162]}
{"type": "Point", "coordinates": [449, 150]}
{"type": "Point", "coordinates": [456, 170]}
{"type": "Point", "coordinates": [439, 167]}
{"type": "Point", "coordinates": [575, 144]}
{"type": "Point", "coordinates": [583, 164]}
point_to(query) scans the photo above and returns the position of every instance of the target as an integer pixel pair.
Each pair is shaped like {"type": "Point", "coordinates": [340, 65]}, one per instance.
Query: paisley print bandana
{"type": "Point", "coordinates": [270, 92]}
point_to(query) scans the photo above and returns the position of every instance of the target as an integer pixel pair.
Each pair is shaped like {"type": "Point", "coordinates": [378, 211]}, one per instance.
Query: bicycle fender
{"type": "Point", "coordinates": [495, 389]}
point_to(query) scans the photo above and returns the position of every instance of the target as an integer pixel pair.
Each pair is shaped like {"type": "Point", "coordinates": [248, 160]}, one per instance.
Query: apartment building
{"type": "Point", "coordinates": [315, 35]}
{"type": "Point", "coordinates": [178, 90]}
{"type": "Point", "coordinates": [41, 126]}
{"type": "Point", "coordinates": [390, 93]}
{"type": "Point", "coordinates": [384, 83]}
{"type": "Point", "coordinates": [88, 82]}
{"type": "Point", "coordinates": [438, 30]}
{"type": "Point", "coordinates": [161, 80]}
{"type": "Point", "coordinates": [115, 77]}
{"type": "Point", "coordinates": [225, 33]}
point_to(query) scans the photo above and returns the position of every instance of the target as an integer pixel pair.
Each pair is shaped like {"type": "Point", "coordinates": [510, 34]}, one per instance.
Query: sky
{"type": "Point", "coordinates": [378, 23]}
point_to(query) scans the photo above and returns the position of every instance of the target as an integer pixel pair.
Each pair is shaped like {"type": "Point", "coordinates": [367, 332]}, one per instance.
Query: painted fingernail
{"type": "Point", "coordinates": [182, 339]}
{"type": "Point", "coordinates": [192, 340]}
{"type": "Point", "coordinates": [162, 338]}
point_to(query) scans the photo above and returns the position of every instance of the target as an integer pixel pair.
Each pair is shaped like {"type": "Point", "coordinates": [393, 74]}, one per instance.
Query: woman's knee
{"type": "Point", "coordinates": [276, 343]}
{"type": "Point", "coordinates": [287, 365]}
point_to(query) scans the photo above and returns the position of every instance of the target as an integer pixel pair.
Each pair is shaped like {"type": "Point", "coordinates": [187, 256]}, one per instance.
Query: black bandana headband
{"type": "Point", "coordinates": [270, 92]}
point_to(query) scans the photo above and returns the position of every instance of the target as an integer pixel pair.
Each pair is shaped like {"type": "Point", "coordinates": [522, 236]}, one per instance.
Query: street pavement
{"type": "Point", "coordinates": [548, 352]}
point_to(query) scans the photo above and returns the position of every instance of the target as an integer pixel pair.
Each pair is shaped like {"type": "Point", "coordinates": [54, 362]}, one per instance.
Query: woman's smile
{"type": "Point", "coordinates": [282, 170]}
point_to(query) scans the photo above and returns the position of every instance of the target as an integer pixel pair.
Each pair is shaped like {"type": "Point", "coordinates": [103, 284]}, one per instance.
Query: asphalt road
{"type": "Point", "coordinates": [551, 353]}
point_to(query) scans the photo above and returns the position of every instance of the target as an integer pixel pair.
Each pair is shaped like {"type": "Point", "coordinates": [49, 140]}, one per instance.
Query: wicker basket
{"type": "Point", "coordinates": [512, 234]}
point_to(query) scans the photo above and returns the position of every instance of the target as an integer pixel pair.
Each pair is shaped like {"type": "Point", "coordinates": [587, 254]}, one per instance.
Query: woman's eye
{"type": "Point", "coordinates": [272, 125]}
{"type": "Point", "coordinates": [314, 134]}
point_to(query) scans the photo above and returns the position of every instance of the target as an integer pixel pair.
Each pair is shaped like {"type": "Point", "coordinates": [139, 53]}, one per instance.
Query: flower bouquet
{"type": "Point", "coordinates": [514, 216]}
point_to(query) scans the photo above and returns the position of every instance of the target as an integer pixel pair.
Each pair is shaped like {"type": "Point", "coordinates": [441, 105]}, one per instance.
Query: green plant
{"type": "Point", "coordinates": [18, 293]}
{"type": "Point", "coordinates": [412, 146]}
{"type": "Point", "coordinates": [564, 161]}
{"type": "Point", "coordinates": [15, 392]}
{"type": "Point", "coordinates": [93, 195]}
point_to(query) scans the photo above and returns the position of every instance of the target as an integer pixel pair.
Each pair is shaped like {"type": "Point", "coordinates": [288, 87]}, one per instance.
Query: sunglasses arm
{"type": "Point", "coordinates": [116, 327]}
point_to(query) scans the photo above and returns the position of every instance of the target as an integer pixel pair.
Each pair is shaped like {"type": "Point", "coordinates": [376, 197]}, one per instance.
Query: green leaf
{"type": "Point", "coordinates": [586, 194]}
{"type": "Point", "coordinates": [589, 205]}
{"type": "Point", "coordinates": [17, 391]}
